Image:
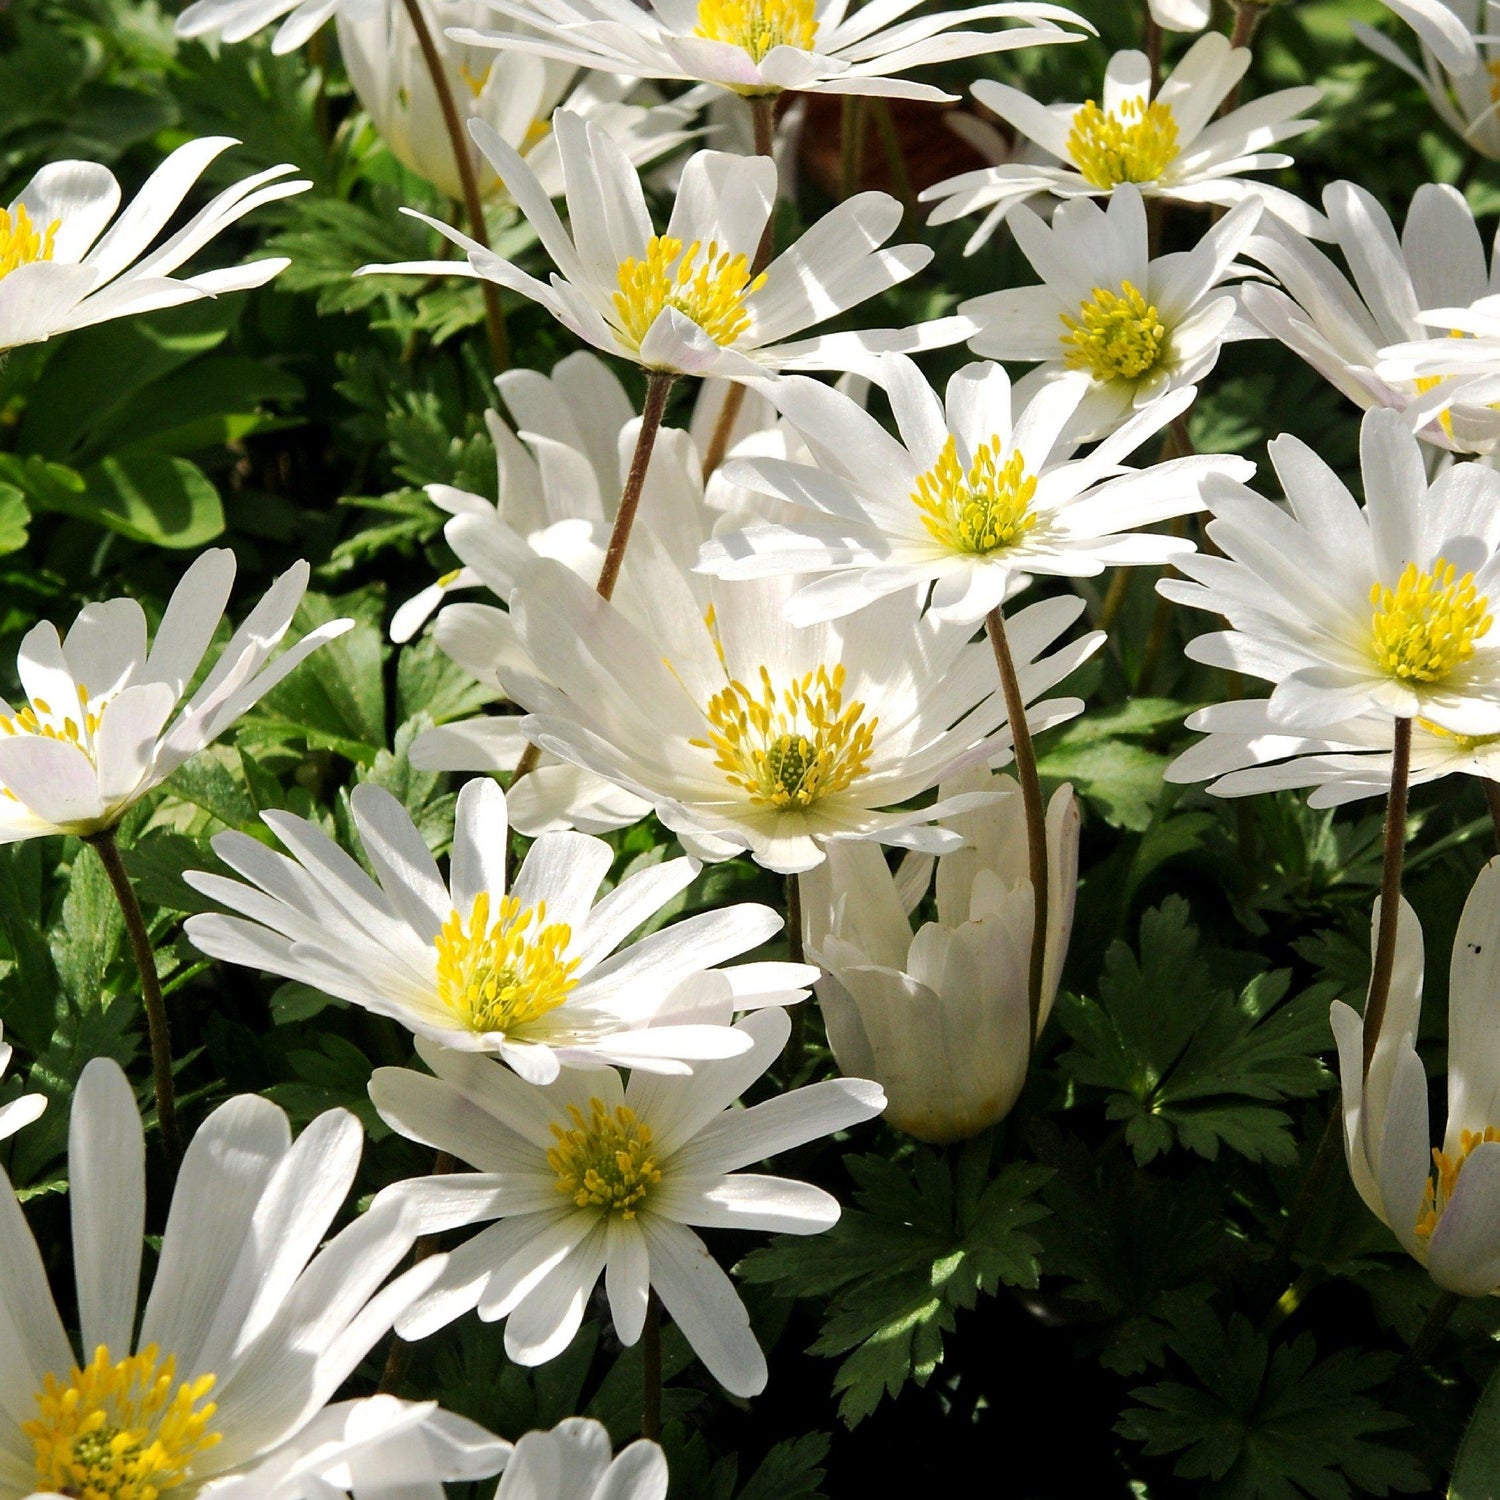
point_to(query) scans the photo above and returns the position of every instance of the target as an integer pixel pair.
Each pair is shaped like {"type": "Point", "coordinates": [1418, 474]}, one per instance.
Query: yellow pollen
{"type": "Point", "coordinates": [983, 510]}
{"type": "Point", "coordinates": [21, 242]}
{"type": "Point", "coordinates": [1116, 335]}
{"type": "Point", "coordinates": [605, 1161]}
{"type": "Point", "coordinates": [1427, 625]}
{"type": "Point", "coordinates": [1440, 1185]}
{"type": "Point", "coordinates": [708, 286]}
{"type": "Point", "coordinates": [120, 1429]}
{"type": "Point", "coordinates": [1467, 744]}
{"type": "Point", "coordinates": [1493, 69]}
{"type": "Point", "coordinates": [39, 719]}
{"type": "Point", "coordinates": [1134, 143]}
{"type": "Point", "coordinates": [758, 25]}
{"type": "Point", "coordinates": [790, 748]}
{"type": "Point", "coordinates": [501, 976]}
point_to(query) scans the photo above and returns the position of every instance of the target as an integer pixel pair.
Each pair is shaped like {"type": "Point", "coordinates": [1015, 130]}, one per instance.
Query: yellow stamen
{"type": "Point", "coordinates": [476, 81]}
{"type": "Point", "coordinates": [758, 25]}
{"type": "Point", "coordinates": [21, 242]}
{"type": "Point", "coordinates": [1493, 69]}
{"type": "Point", "coordinates": [1467, 744]}
{"type": "Point", "coordinates": [605, 1161]}
{"type": "Point", "coordinates": [39, 719]}
{"type": "Point", "coordinates": [712, 293]}
{"type": "Point", "coordinates": [1446, 1169]}
{"type": "Point", "coordinates": [1134, 143]}
{"type": "Point", "coordinates": [1116, 335]}
{"type": "Point", "coordinates": [982, 510]}
{"type": "Point", "coordinates": [1428, 624]}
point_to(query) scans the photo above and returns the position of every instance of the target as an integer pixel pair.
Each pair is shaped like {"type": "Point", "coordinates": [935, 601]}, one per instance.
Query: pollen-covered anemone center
{"type": "Point", "coordinates": [707, 285]}
{"type": "Point", "coordinates": [75, 725]}
{"type": "Point", "coordinates": [758, 25]}
{"type": "Point", "coordinates": [791, 747]}
{"type": "Point", "coordinates": [1427, 625]}
{"type": "Point", "coordinates": [500, 975]}
{"type": "Point", "coordinates": [21, 242]}
{"type": "Point", "coordinates": [1134, 143]}
{"type": "Point", "coordinates": [1116, 335]}
{"type": "Point", "coordinates": [1444, 1179]}
{"type": "Point", "coordinates": [120, 1429]}
{"type": "Point", "coordinates": [606, 1160]}
{"type": "Point", "coordinates": [983, 509]}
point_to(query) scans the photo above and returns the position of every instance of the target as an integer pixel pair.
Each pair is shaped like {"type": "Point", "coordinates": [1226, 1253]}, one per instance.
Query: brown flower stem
{"type": "Point", "coordinates": [851, 144]}
{"type": "Point", "coordinates": [1390, 890]}
{"type": "Point", "coordinates": [1248, 14]}
{"type": "Point", "coordinates": [107, 848]}
{"type": "Point", "coordinates": [1492, 801]}
{"type": "Point", "coordinates": [399, 1355]}
{"type": "Point", "coordinates": [651, 1370]}
{"type": "Point", "coordinates": [1031, 801]}
{"type": "Point", "coordinates": [1430, 1331]}
{"type": "Point", "coordinates": [658, 387]}
{"type": "Point", "coordinates": [1151, 45]}
{"type": "Point", "coordinates": [494, 314]}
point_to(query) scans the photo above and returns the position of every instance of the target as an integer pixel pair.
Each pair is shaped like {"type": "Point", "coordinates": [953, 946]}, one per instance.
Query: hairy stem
{"type": "Point", "coordinates": [795, 954]}
{"type": "Point", "coordinates": [1384, 963]}
{"type": "Point", "coordinates": [1248, 14]}
{"type": "Point", "coordinates": [658, 387]}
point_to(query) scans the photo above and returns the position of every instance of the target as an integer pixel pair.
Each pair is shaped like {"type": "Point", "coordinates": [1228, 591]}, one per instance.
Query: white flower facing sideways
{"type": "Point", "coordinates": [970, 497]}
{"type": "Point", "coordinates": [1458, 362]}
{"type": "Point", "coordinates": [249, 1330]}
{"type": "Point", "coordinates": [685, 302]}
{"type": "Point", "coordinates": [237, 20]}
{"type": "Point", "coordinates": [528, 971]}
{"type": "Point", "coordinates": [1442, 1204]}
{"type": "Point", "coordinates": [19, 1113]}
{"type": "Point", "coordinates": [591, 1175]}
{"type": "Point", "coordinates": [1346, 609]}
{"type": "Point", "coordinates": [1137, 326]}
{"type": "Point", "coordinates": [67, 261]}
{"type": "Point", "coordinates": [573, 1462]}
{"type": "Point", "coordinates": [101, 725]}
{"type": "Point", "coordinates": [942, 1020]}
{"type": "Point", "coordinates": [1169, 147]}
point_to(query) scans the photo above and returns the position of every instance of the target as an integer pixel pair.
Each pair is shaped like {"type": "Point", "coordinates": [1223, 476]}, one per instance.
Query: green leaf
{"type": "Point", "coordinates": [1476, 1470]}
{"type": "Point", "coordinates": [166, 502]}
{"type": "Point", "coordinates": [792, 1470]}
{"type": "Point", "coordinates": [14, 518]}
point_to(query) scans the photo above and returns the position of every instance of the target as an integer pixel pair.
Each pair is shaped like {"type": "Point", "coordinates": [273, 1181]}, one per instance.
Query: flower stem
{"type": "Point", "coordinates": [494, 315]}
{"type": "Point", "coordinates": [1318, 1170]}
{"type": "Point", "coordinates": [651, 1370]}
{"type": "Point", "coordinates": [796, 954]}
{"type": "Point", "coordinates": [658, 386]}
{"type": "Point", "coordinates": [1248, 14]}
{"type": "Point", "coordinates": [399, 1356]}
{"type": "Point", "coordinates": [851, 144]}
{"type": "Point", "coordinates": [105, 846]}
{"type": "Point", "coordinates": [1151, 46]}
{"type": "Point", "coordinates": [1031, 801]}
{"type": "Point", "coordinates": [1430, 1331]}
{"type": "Point", "coordinates": [895, 159]}
{"type": "Point", "coordinates": [1390, 890]}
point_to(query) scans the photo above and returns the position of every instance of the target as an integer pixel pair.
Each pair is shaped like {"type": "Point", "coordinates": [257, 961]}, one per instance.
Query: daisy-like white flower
{"type": "Point", "coordinates": [1347, 609]}
{"type": "Point", "coordinates": [1446, 29]}
{"type": "Point", "coordinates": [573, 1462]}
{"type": "Point", "coordinates": [590, 1176]}
{"type": "Point", "coordinates": [685, 302]}
{"type": "Point", "coordinates": [1341, 328]}
{"type": "Point", "coordinates": [1442, 1205]}
{"type": "Point", "coordinates": [1458, 368]}
{"type": "Point", "coordinates": [19, 1112]}
{"type": "Point", "coordinates": [64, 265]}
{"type": "Point", "coordinates": [102, 726]}
{"type": "Point", "coordinates": [1169, 147]}
{"type": "Point", "coordinates": [249, 1331]}
{"type": "Point", "coordinates": [970, 498]}
{"type": "Point", "coordinates": [762, 47]}
{"type": "Point", "coordinates": [1181, 15]}
{"type": "Point", "coordinates": [746, 733]}
{"type": "Point", "coordinates": [237, 20]}
{"type": "Point", "coordinates": [1138, 327]}
{"type": "Point", "coordinates": [528, 971]}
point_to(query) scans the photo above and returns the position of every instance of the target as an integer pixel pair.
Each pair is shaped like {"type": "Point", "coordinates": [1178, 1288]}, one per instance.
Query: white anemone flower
{"type": "Point", "coordinates": [1458, 368]}
{"type": "Point", "coordinates": [526, 969]}
{"type": "Point", "coordinates": [573, 1462]}
{"type": "Point", "coordinates": [1342, 329]}
{"type": "Point", "coordinates": [249, 1330]}
{"type": "Point", "coordinates": [1442, 1205]}
{"type": "Point", "coordinates": [1347, 609]}
{"type": "Point", "coordinates": [685, 302]}
{"type": "Point", "coordinates": [766, 47]}
{"type": "Point", "coordinates": [1138, 326]}
{"type": "Point", "coordinates": [237, 20]}
{"type": "Point", "coordinates": [745, 733]}
{"type": "Point", "coordinates": [1168, 147]}
{"type": "Point", "coordinates": [65, 265]}
{"type": "Point", "coordinates": [970, 498]}
{"type": "Point", "coordinates": [1181, 15]}
{"type": "Point", "coordinates": [98, 731]}
{"type": "Point", "coordinates": [19, 1112]}
{"type": "Point", "coordinates": [591, 1175]}
{"type": "Point", "coordinates": [942, 1020]}
{"type": "Point", "coordinates": [1445, 28]}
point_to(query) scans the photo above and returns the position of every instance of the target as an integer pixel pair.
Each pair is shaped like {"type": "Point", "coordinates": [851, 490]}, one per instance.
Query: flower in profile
{"type": "Point", "coordinates": [971, 497]}
{"type": "Point", "coordinates": [685, 302]}
{"type": "Point", "coordinates": [1138, 326]}
{"type": "Point", "coordinates": [942, 1020]}
{"type": "Point", "coordinates": [64, 265]}
{"type": "Point", "coordinates": [1347, 609]}
{"type": "Point", "coordinates": [1446, 29]}
{"type": "Point", "coordinates": [763, 47]}
{"type": "Point", "coordinates": [573, 1462]}
{"type": "Point", "coordinates": [590, 1175]}
{"type": "Point", "coordinates": [249, 1330]}
{"type": "Point", "coordinates": [237, 20]}
{"type": "Point", "coordinates": [527, 970]}
{"type": "Point", "coordinates": [101, 726]}
{"type": "Point", "coordinates": [1169, 146]}
{"type": "Point", "coordinates": [19, 1112]}
{"type": "Point", "coordinates": [1458, 368]}
{"type": "Point", "coordinates": [1181, 15]}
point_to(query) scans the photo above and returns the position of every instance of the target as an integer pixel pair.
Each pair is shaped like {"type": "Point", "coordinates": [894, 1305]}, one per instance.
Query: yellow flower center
{"type": "Point", "coordinates": [1493, 69]}
{"type": "Point", "coordinates": [120, 1430]}
{"type": "Point", "coordinates": [980, 511]}
{"type": "Point", "coordinates": [20, 240]}
{"type": "Point", "coordinates": [39, 717]}
{"type": "Point", "coordinates": [708, 286]}
{"type": "Point", "coordinates": [1440, 1185]}
{"type": "Point", "coordinates": [501, 976]}
{"type": "Point", "coordinates": [1135, 143]}
{"type": "Point", "coordinates": [1116, 335]}
{"type": "Point", "coordinates": [1427, 625]}
{"type": "Point", "coordinates": [1465, 744]}
{"type": "Point", "coordinates": [605, 1161]}
{"type": "Point", "coordinates": [758, 25]}
{"type": "Point", "coordinates": [792, 747]}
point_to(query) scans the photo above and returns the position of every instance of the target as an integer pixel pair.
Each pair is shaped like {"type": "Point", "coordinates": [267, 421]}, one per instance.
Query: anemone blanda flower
{"type": "Point", "coordinates": [685, 302]}
{"type": "Point", "coordinates": [1181, 15]}
{"type": "Point", "coordinates": [250, 1328]}
{"type": "Point", "coordinates": [769, 46]}
{"type": "Point", "coordinates": [527, 970]}
{"type": "Point", "coordinates": [1447, 29]}
{"type": "Point", "coordinates": [1138, 326]}
{"type": "Point", "coordinates": [573, 1462]}
{"type": "Point", "coordinates": [19, 1112]}
{"type": "Point", "coordinates": [1346, 609]}
{"type": "Point", "coordinates": [970, 497]}
{"type": "Point", "coordinates": [1458, 368]}
{"type": "Point", "coordinates": [236, 20]}
{"type": "Point", "coordinates": [98, 730]}
{"type": "Point", "coordinates": [590, 1175]}
{"type": "Point", "coordinates": [1169, 147]}
{"type": "Point", "coordinates": [65, 265]}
